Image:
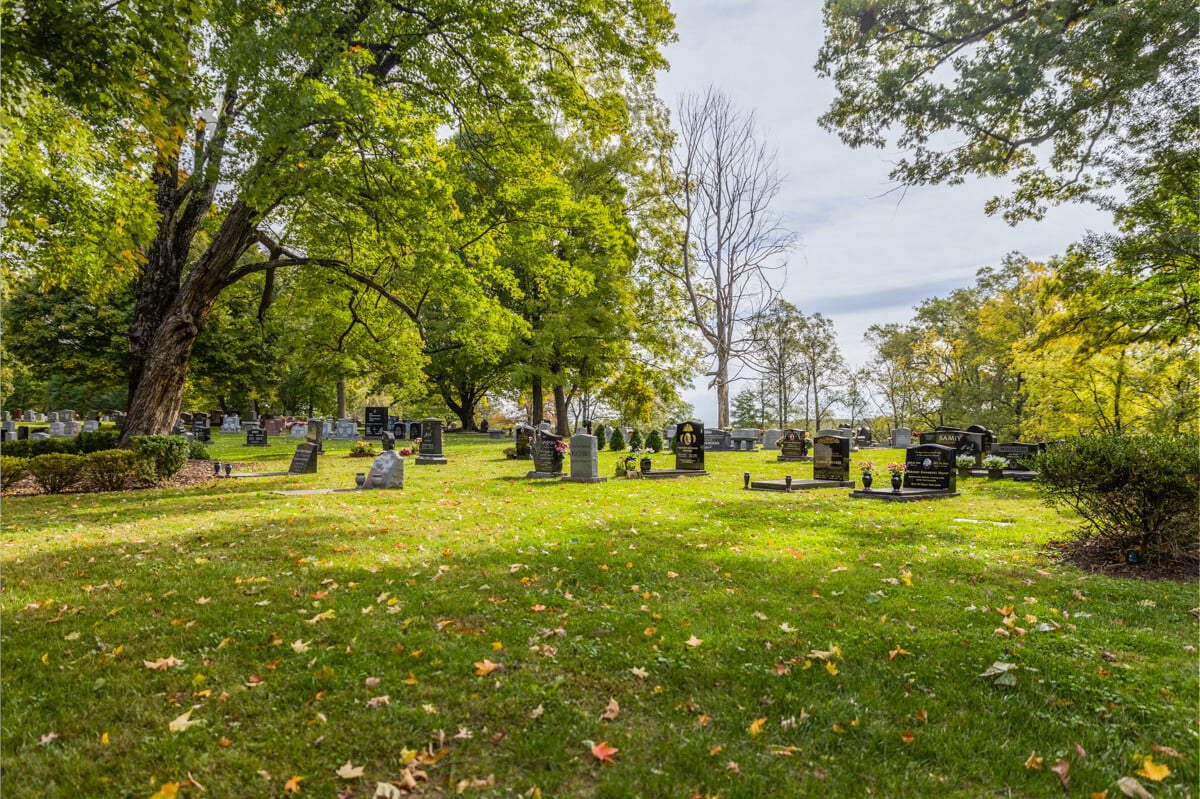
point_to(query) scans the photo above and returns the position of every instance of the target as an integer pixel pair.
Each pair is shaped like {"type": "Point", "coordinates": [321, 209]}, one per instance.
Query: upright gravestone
{"type": "Point", "coordinates": [523, 436]}
{"type": "Point", "coordinates": [793, 446]}
{"type": "Point", "coordinates": [400, 430]}
{"type": "Point", "coordinates": [346, 430]}
{"type": "Point", "coordinates": [22, 433]}
{"type": "Point", "coordinates": [547, 455]}
{"type": "Point", "coordinates": [200, 429]}
{"type": "Point", "coordinates": [1016, 453]}
{"type": "Point", "coordinates": [585, 460]}
{"type": "Point", "coordinates": [256, 437]}
{"type": "Point", "coordinates": [315, 434]}
{"type": "Point", "coordinates": [930, 467]}
{"type": "Point", "coordinates": [387, 471]}
{"type": "Point", "coordinates": [414, 430]}
{"type": "Point", "coordinates": [689, 446]}
{"type": "Point", "coordinates": [431, 442]}
{"type": "Point", "coordinates": [901, 438]}
{"type": "Point", "coordinates": [717, 440]}
{"type": "Point", "coordinates": [771, 438]}
{"type": "Point", "coordinates": [231, 424]}
{"type": "Point", "coordinates": [388, 441]}
{"type": "Point", "coordinates": [376, 421]}
{"type": "Point", "coordinates": [52, 417]}
{"type": "Point", "coordinates": [272, 427]}
{"type": "Point", "coordinates": [298, 430]}
{"type": "Point", "coordinates": [92, 425]}
{"type": "Point", "coordinates": [831, 458]}
{"type": "Point", "coordinates": [304, 461]}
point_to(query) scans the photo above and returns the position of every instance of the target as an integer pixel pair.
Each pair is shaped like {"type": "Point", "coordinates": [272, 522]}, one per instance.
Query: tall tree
{"type": "Point", "coordinates": [732, 241]}
{"type": "Point", "coordinates": [300, 86]}
{"type": "Point", "coordinates": [821, 365]}
{"type": "Point", "coordinates": [776, 353]}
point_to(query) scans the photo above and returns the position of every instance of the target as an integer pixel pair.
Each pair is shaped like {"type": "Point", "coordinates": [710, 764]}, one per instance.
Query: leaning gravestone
{"type": "Point", "coordinates": [231, 424]}
{"type": "Point", "coordinates": [430, 451]}
{"type": "Point", "coordinates": [793, 446]}
{"type": "Point", "coordinates": [256, 437]}
{"type": "Point", "coordinates": [585, 460]}
{"type": "Point", "coordinates": [547, 457]}
{"type": "Point", "coordinates": [304, 461]}
{"type": "Point", "coordinates": [387, 471]}
{"type": "Point", "coordinates": [376, 421]}
{"type": "Point", "coordinates": [314, 434]}
{"type": "Point", "coordinates": [524, 441]}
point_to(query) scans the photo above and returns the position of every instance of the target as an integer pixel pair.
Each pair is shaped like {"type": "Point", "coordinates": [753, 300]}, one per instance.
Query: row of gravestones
{"type": "Point", "coordinates": [11, 431]}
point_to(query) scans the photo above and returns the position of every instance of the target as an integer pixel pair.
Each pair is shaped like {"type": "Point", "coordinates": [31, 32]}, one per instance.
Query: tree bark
{"type": "Point", "coordinates": [539, 402]}
{"type": "Point", "coordinates": [341, 399]}
{"type": "Point", "coordinates": [562, 420]}
{"type": "Point", "coordinates": [723, 393]}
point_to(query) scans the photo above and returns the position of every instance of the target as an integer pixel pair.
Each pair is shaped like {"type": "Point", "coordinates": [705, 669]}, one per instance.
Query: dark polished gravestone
{"type": "Point", "coordinates": [689, 453]}
{"type": "Point", "coordinates": [201, 428]}
{"type": "Point", "coordinates": [257, 437]}
{"type": "Point", "coordinates": [929, 473]}
{"type": "Point", "coordinates": [523, 439]}
{"type": "Point", "coordinates": [376, 417]}
{"type": "Point", "coordinates": [718, 440]}
{"type": "Point", "coordinates": [304, 461]}
{"type": "Point", "coordinates": [1017, 452]}
{"type": "Point", "coordinates": [547, 456]}
{"type": "Point", "coordinates": [315, 433]}
{"type": "Point", "coordinates": [831, 469]}
{"type": "Point", "coordinates": [430, 451]}
{"type": "Point", "coordinates": [793, 446]}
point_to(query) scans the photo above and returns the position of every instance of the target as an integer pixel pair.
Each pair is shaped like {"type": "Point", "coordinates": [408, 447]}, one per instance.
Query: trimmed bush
{"type": "Point", "coordinates": [197, 451]}
{"type": "Point", "coordinates": [11, 470]}
{"type": "Point", "coordinates": [654, 441]}
{"type": "Point", "coordinates": [57, 471]}
{"type": "Point", "coordinates": [1133, 491]}
{"type": "Point", "coordinates": [601, 439]}
{"type": "Point", "coordinates": [616, 442]}
{"type": "Point", "coordinates": [635, 440]}
{"type": "Point", "coordinates": [160, 457]}
{"type": "Point", "coordinates": [96, 441]}
{"type": "Point", "coordinates": [111, 469]}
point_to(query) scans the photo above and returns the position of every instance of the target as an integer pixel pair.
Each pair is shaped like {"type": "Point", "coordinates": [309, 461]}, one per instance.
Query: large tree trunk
{"type": "Point", "coordinates": [562, 419]}
{"type": "Point", "coordinates": [723, 392]}
{"type": "Point", "coordinates": [341, 399]}
{"type": "Point", "coordinates": [539, 401]}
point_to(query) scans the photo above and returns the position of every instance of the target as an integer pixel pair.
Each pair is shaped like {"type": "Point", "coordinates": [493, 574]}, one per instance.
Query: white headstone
{"type": "Point", "coordinates": [231, 424]}
{"type": "Point", "coordinates": [298, 430]}
{"type": "Point", "coordinates": [387, 471]}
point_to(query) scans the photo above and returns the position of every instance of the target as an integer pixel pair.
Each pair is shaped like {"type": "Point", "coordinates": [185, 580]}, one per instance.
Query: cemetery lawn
{"type": "Point", "coordinates": [472, 631]}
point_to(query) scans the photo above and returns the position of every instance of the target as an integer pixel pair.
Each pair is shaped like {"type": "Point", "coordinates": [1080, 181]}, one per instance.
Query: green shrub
{"type": "Point", "coordinates": [1133, 491]}
{"type": "Point", "coordinates": [12, 469]}
{"type": "Point", "coordinates": [601, 440]}
{"type": "Point", "coordinates": [96, 441]}
{"type": "Point", "coordinates": [654, 441]}
{"type": "Point", "coordinates": [160, 457]}
{"type": "Point", "coordinates": [635, 440]}
{"type": "Point", "coordinates": [57, 471]}
{"type": "Point", "coordinates": [49, 446]}
{"type": "Point", "coordinates": [111, 469]}
{"type": "Point", "coordinates": [197, 451]}
{"type": "Point", "coordinates": [616, 442]}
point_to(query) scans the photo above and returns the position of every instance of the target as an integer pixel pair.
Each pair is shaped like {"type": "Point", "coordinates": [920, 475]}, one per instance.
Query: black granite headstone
{"type": "Point", "coordinates": [793, 445]}
{"type": "Point", "coordinates": [376, 420]}
{"type": "Point", "coordinates": [431, 442]}
{"type": "Point", "coordinates": [831, 458]}
{"type": "Point", "coordinates": [689, 446]}
{"type": "Point", "coordinates": [23, 433]}
{"type": "Point", "coordinates": [547, 458]}
{"type": "Point", "coordinates": [930, 466]}
{"type": "Point", "coordinates": [524, 442]}
{"type": "Point", "coordinates": [256, 437]}
{"type": "Point", "coordinates": [200, 428]}
{"type": "Point", "coordinates": [1016, 452]}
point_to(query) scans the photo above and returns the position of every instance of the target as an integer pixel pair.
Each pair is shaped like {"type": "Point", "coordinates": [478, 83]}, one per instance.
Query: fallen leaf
{"type": "Point", "coordinates": [299, 646]}
{"type": "Point", "coordinates": [485, 667]}
{"type": "Point", "coordinates": [181, 723]}
{"type": "Point", "coordinates": [831, 667]}
{"type": "Point", "coordinates": [1061, 767]}
{"type": "Point", "coordinates": [47, 738]}
{"type": "Point", "coordinates": [385, 790]}
{"type": "Point", "coordinates": [693, 641]}
{"type": "Point", "coordinates": [639, 672]}
{"type": "Point", "coordinates": [1153, 771]}
{"type": "Point", "coordinates": [1099, 795]}
{"type": "Point", "coordinates": [378, 701]}
{"type": "Point", "coordinates": [906, 736]}
{"type": "Point", "coordinates": [1080, 752]}
{"type": "Point", "coordinates": [733, 766]}
{"type": "Point", "coordinates": [897, 651]}
{"type": "Point", "coordinates": [1033, 761]}
{"type": "Point", "coordinates": [349, 771]}
{"type": "Point", "coordinates": [486, 782]}
{"type": "Point", "coordinates": [756, 726]}
{"type": "Point", "coordinates": [603, 752]}
{"type": "Point", "coordinates": [1165, 750]}
{"type": "Point", "coordinates": [412, 679]}
{"type": "Point", "coordinates": [293, 785]}
{"type": "Point", "coordinates": [371, 682]}
{"type": "Point", "coordinates": [537, 711]}
{"type": "Point", "coordinates": [1133, 789]}
{"type": "Point", "coordinates": [611, 711]}
{"type": "Point", "coordinates": [162, 664]}
{"type": "Point", "coordinates": [167, 791]}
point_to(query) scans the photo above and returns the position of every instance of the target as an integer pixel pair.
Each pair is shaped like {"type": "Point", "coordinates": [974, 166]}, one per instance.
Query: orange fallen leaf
{"type": "Point", "coordinates": [293, 785]}
{"type": "Point", "coordinates": [1153, 771]}
{"type": "Point", "coordinates": [907, 737]}
{"type": "Point", "coordinates": [1033, 761]}
{"type": "Point", "coordinates": [412, 679]}
{"type": "Point", "coordinates": [756, 726]}
{"type": "Point", "coordinates": [897, 651]}
{"type": "Point", "coordinates": [485, 667]}
{"type": "Point", "coordinates": [603, 752]}
{"type": "Point", "coordinates": [167, 791]}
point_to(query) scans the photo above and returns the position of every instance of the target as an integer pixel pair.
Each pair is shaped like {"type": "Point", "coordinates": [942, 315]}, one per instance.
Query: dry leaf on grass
{"type": "Point", "coordinates": [603, 752]}
{"type": "Point", "coordinates": [349, 771]}
{"type": "Point", "coordinates": [611, 711]}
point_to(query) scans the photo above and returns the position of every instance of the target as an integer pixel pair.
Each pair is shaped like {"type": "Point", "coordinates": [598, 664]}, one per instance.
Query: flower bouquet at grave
{"type": "Point", "coordinates": [868, 467]}
{"type": "Point", "coordinates": [561, 447]}
{"type": "Point", "coordinates": [406, 452]}
{"type": "Point", "coordinates": [964, 461]}
{"type": "Point", "coordinates": [362, 449]}
{"type": "Point", "coordinates": [897, 470]}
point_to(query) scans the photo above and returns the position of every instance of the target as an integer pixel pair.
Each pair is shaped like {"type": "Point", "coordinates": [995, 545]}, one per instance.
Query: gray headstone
{"type": "Point", "coordinates": [902, 438]}
{"type": "Point", "coordinates": [585, 458]}
{"type": "Point", "coordinates": [10, 426]}
{"type": "Point", "coordinates": [298, 430]}
{"type": "Point", "coordinates": [58, 430]}
{"type": "Point", "coordinates": [52, 418]}
{"type": "Point", "coordinates": [387, 470]}
{"type": "Point", "coordinates": [231, 424]}
{"type": "Point", "coordinates": [39, 436]}
{"type": "Point", "coordinates": [346, 430]}
{"type": "Point", "coordinates": [91, 426]}
{"type": "Point", "coordinates": [771, 437]}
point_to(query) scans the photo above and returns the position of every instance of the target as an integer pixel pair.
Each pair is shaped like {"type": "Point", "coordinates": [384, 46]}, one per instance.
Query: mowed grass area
{"type": "Point", "coordinates": [469, 632]}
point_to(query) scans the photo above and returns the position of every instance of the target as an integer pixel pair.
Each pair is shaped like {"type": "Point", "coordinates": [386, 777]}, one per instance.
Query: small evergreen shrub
{"type": "Point", "coordinates": [616, 442]}
{"type": "Point", "coordinates": [1133, 491]}
{"type": "Point", "coordinates": [197, 451]}
{"type": "Point", "coordinates": [96, 441]}
{"type": "Point", "coordinates": [12, 469]}
{"type": "Point", "coordinates": [57, 471]}
{"type": "Point", "coordinates": [601, 439]}
{"type": "Point", "coordinates": [111, 469]}
{"type": "Point", "coordinates": [160, 457]}
{"type": "Point", "coordinates": [635, 440]}
{"type": "Point", "coordinates": [654, 441]}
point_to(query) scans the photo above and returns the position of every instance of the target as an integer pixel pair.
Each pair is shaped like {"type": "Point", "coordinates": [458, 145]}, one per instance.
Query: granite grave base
{"type": "Point", "coordinates": [802, 459]}
{"type": "Point", "coordinates": [543, 475]}
{"type": "Point", "coordinates": [659, 474]}
{"type": "Point", "coordinates": [903, 495]}
{"type": "Point", "coordinates": [570, 479]}
{"type": "Point", "coordinates": [798, 485]}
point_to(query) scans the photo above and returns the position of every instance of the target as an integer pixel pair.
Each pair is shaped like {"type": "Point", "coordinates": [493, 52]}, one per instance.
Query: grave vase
{"type": "Point", "coordinates": [645, 464]}
{"type": "Point", "coordinates": [897, 481]}
{"type": "Point", "coordinates": [866, 479]}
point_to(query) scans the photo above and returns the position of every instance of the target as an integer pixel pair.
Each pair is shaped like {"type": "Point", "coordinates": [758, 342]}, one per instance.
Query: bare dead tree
{"type": "Point", "coordinates": [732, 243]}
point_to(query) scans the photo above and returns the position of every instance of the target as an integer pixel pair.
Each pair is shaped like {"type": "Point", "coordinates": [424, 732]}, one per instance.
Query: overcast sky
{"type": "Point", "coordinates": [867, 254]}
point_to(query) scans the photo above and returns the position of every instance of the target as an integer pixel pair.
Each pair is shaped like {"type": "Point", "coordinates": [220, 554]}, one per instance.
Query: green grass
{"type": "Point", "coordinates": [577, 590]}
